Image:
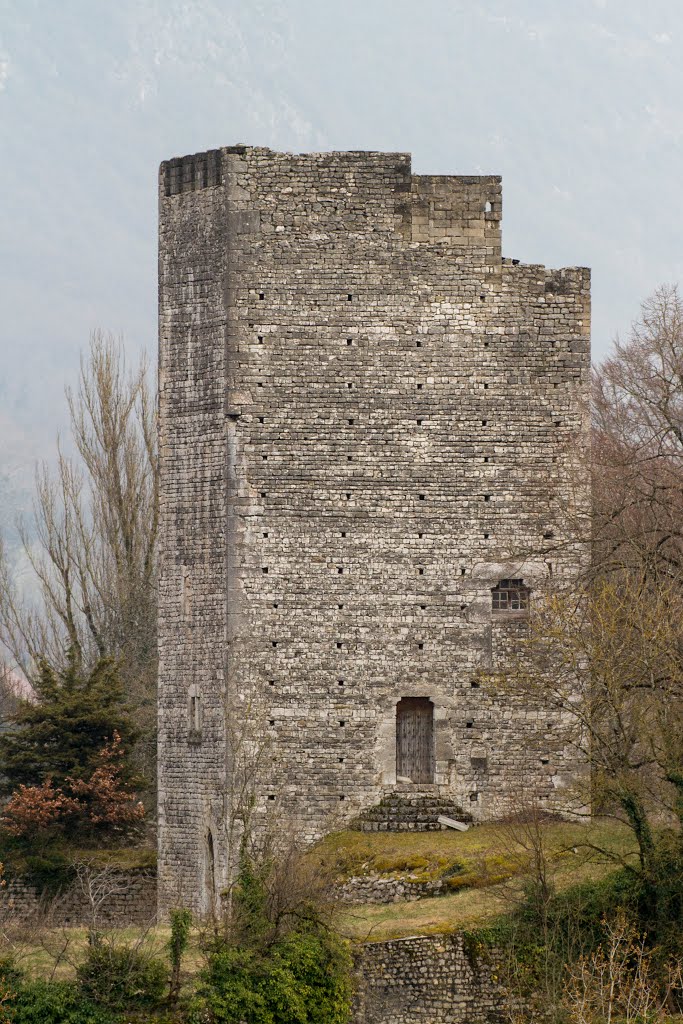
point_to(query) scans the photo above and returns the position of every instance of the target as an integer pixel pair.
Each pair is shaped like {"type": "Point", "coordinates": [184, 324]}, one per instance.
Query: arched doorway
{"type": "Point", "coordinates": [415, 739]}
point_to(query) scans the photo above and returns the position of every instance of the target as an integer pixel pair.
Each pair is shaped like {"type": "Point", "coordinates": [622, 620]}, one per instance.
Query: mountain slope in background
{"type": "Point", "coordinates": [579, 106]}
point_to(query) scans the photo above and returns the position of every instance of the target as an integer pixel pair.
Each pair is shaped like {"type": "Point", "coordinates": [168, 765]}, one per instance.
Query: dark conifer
{"type": "Point", "coordinates": [60, 734]}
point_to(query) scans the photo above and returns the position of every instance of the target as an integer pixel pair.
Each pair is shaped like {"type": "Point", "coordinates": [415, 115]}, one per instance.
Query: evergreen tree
{"type": "Point", "coordinates": [61, 734]}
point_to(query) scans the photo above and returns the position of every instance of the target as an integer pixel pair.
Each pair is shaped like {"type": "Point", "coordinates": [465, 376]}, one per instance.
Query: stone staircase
{"type": "Point", "coordinates": [409, 809]}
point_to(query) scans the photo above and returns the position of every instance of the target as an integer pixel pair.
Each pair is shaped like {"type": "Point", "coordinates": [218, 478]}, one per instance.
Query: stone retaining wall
{"type": "Point", "coordinates": [127, 898]}
{"type": "Point", "coordinates": [386, 889]}
{"type": "Point", "coordinates": [434, 979]}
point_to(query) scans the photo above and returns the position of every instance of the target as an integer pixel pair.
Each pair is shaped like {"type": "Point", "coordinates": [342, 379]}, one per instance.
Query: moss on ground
{"type": "Point", "coordinates": [127, 859]}
{"type": "Point", "coordinates": [481, 869]}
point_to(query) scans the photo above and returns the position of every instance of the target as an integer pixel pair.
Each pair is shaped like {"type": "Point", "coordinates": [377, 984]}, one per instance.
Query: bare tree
{"type": "Point", "coordinates": [620, 981]}
{"type": "Point", "coordinates": [96, 524]}
{"type": "Point", "coordinates": [606, 662]}
{"type": "Point", "coordinates": [638, 446]}
{"type": "Point", "coordinates": [99, 886]}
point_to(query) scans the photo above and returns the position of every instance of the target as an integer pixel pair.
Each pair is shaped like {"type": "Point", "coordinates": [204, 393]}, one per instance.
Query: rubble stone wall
{"type": "Point", "coordinates": [435, 979]}
{"type": "Point", "coordinates": [131, 899]}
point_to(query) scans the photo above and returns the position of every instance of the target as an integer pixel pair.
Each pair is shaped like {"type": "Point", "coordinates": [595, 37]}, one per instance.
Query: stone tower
{"type": "Point", "coordinates": [368, 420]}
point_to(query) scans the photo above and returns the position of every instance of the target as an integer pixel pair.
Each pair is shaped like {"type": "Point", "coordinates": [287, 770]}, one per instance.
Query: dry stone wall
{"type": "Point", "coordinates": [367, 418]}
{"type": "Point", "coordinates": [435, 979]}
{"type": "Point", "coordinates": [123, 897]}
{"type": "Point", "coordinates": [375, 888]}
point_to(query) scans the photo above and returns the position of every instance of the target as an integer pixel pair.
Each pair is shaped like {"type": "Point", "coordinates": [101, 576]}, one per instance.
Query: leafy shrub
{"type": "Point", "coordinates": [181, 922]}
{"type": "Point", "coordinates": [302, 979]}
{"type": "Point", "coordinates": [56, 1002]}
{"type": "Point", "coordinates": [32, 811]}
{"type": "Point", "coordinates": [277, 963]}
{"type": "Point", "coordinates": [121, 977]}
{"type": "Point", "coordinates": [102, 805]}
{"type": "Point", "coordinates": [106, 801]}
{"type": "Point", "coordinates": [9, 972]}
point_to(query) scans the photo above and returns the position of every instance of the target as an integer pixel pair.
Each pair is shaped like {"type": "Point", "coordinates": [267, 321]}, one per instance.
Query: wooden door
{"type": "Point", "coordinates": [415, 739]}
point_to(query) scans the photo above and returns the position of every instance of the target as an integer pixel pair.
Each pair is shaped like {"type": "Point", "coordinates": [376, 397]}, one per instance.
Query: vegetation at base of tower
{"type": "Point", "coordinates": [274, 960]}
{"type": "Point", "coordinates": [114, 984]}
{"type": "Point", "coordinates": [53, 1002]}
{"type": "Point", "coordinates": [66, 770]}
{"type": "Point", "coordinates": [537, 913]}
{"type": "Point", "coordinates": [122, 977]}
{"type": "Point", "coordinates": [92, 548]}
{"type": "Point", "coordinates": [559, 956]}
{"type": "Point", "coordinates": [61, 734]}
{"type": "Point", "coordinates": [181, 922]}
{"type": "Point", "coordinates": [561, 951]}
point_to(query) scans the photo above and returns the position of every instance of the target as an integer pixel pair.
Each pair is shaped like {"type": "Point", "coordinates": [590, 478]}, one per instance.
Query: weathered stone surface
{"type": "Point", "coordinates": [125, 897]}
{"type": "Point", "coordinates": [367, 418]}
{"type": "Point", "coordinates": [403, 810]}
{"type": "Point", "coordinates": [434, 979]}
{"type": "Point", "coordinates": [376, 888]}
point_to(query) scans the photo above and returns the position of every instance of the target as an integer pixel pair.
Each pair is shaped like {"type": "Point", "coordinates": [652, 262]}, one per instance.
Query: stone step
{"type": "Point", "coordinates": [405, 811]}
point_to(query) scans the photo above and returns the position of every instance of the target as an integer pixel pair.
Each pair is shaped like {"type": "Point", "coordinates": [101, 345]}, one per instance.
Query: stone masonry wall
{"type": "Point", "coordinates": [359, 889]}
{"type": "Point", "coordinates": [367, 418]}
{"type": "Point", "coordinates": [425, 980]}
{"type": "Point", "coordinates": [131, 900]}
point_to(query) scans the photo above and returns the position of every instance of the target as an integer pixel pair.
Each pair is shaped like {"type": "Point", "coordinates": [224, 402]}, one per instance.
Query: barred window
{"type": "Point", "coordinates": [510, 596]}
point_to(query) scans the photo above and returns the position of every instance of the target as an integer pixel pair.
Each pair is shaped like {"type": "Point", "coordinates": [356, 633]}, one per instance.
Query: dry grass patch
{"type": "Point", "coordinates": [124, 858]}
{"type": "Point", "coordinates": [54, 953]}
{"type": "Point", "coordinates": [481, 868]}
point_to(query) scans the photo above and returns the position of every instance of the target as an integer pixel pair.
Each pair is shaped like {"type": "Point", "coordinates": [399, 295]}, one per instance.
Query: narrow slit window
{"type": "Point", "coordinates": [195, 711]}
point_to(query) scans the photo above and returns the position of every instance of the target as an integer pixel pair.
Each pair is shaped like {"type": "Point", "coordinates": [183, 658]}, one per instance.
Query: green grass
{"type": "Point", "coordinates": [482, 870]}
{"type": "Point", "coordinates": [126, 858]}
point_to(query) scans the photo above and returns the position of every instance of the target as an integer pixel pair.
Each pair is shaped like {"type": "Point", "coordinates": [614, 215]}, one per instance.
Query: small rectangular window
{"type": "Point", "coordinates": [510, 596]}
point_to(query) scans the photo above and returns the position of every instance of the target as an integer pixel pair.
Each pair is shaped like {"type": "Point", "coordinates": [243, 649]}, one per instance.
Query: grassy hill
{"type": "Point", "coordinates": [483, 870]}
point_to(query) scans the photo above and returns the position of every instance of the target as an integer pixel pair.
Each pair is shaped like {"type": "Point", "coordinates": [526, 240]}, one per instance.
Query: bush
{"type": "Point", "coordinates": [9, 972]}
{"type": "Point", "coordinates": [276, 962]}
{"type": "Point", "coordinates": [56, 1002]}
{"type": "Point", "coordinates": [302, 979]}
{"type": "Point", "coordinates": [181, 922]}
{"type": "Point", "coordinates": [120, 977]}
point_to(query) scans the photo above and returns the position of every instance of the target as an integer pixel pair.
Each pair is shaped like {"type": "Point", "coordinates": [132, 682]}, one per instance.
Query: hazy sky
{"type": "Point", "coordinates": [579, 105]}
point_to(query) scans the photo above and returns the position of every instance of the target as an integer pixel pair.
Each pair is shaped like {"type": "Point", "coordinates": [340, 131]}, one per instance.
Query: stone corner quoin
{"type": "Point", "coordinates": [369, 421]}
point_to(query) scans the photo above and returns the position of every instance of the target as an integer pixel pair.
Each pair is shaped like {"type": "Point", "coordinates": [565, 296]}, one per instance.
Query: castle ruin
{"type": "Point", "coordinates": [368, 419]}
